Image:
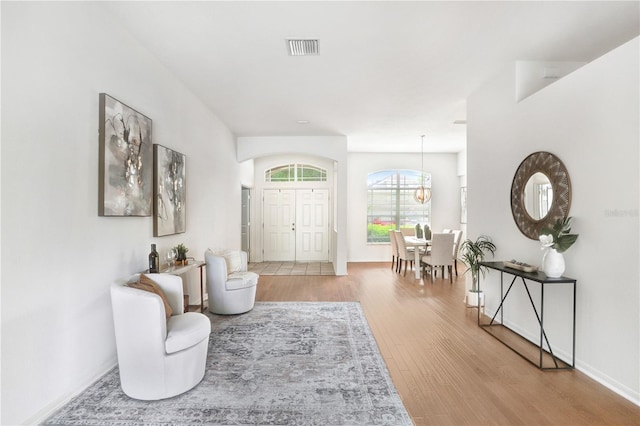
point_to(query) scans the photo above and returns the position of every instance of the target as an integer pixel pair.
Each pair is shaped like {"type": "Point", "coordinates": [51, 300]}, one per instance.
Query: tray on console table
{"type": "Point", "coordinates": [520, 266]}
{"type": "Point", "coordinates": [543, 280]}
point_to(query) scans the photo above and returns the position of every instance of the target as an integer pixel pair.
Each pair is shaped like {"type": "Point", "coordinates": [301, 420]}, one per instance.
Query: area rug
{"type": "Point", "coordinates": [283, 363]}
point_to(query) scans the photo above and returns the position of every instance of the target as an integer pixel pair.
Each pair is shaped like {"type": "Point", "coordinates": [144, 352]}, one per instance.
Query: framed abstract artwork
{"type": "Point", "coordinates": [125, 162]}
{"type": "Point", "coordinates": [169, 191]}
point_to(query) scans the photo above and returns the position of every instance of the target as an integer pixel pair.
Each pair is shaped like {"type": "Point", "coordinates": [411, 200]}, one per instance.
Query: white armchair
{"type": "Point", "coordinates": [158, 357]}
{"type": "Point", "coordinates": [231, 288]}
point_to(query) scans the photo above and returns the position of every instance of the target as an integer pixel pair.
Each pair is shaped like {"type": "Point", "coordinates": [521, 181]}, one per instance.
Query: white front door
{"type": "Point", "coordinates": [279, 224]}
{"type": "Point", "coordinates": [296, 225]}
{"type": "Point", "coordinates": [312, 225]}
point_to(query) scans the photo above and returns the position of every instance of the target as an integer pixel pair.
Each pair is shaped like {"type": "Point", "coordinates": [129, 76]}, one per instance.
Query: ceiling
{"type": "Point", "coordinates": [387, 72]}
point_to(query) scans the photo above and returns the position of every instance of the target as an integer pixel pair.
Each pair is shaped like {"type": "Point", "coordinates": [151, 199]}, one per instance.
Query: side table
{"type": "Point", "coordinates": [181, 269]}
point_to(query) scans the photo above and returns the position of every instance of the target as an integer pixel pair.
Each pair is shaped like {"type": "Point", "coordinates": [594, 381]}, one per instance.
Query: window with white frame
{"type": "Point", "coordinates": [391, 203]}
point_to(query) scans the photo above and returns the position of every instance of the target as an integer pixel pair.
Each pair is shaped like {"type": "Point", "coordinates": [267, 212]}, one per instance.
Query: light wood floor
{"type": "Point", "coordinates": [447, 370]}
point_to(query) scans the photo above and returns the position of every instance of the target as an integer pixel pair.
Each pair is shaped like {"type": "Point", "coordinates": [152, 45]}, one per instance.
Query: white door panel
{"type": "Point", "coordinates": [312, 227]}
{"type": "Point", "coordinates": [296, 226]}
{"type": "Point", "coordinates": [279, 225]}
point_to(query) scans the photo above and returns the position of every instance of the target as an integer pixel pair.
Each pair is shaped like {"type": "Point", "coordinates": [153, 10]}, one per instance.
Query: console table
{"type": "Point", "coordinates": [181, 269]}
{"type": "Point", "coordinates": [544, 281]}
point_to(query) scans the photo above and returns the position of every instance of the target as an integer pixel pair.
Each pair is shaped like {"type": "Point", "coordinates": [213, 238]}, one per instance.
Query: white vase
{"type": "Point", "coordinates": [553, 263]}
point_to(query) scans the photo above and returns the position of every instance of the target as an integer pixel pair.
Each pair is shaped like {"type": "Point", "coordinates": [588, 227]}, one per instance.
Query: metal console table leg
{"type": "Point", "coordinates": [543, 280]}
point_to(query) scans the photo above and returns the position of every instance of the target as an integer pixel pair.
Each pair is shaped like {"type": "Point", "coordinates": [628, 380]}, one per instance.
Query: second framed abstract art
{"type": "Point", "coordinates": [169, 192]}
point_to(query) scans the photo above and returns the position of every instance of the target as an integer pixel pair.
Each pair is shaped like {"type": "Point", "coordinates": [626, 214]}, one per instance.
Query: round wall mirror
{"type": "Point", "coordinates": [538, 196]}
{"type": "Point", "coordinates": [540, 193]}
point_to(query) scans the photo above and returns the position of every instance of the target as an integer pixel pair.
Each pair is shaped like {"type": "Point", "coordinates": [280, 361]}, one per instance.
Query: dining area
{"type": "Point", "coordinates": [425, 253]}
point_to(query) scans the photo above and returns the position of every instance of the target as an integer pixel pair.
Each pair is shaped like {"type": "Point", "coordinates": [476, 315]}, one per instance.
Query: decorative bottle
{"type": "Point", "coordinates": [418, 231]}
{"type": "Point", "coordinates": [154, 260]}
{"type": "Point", "coordinates": [427, 232]}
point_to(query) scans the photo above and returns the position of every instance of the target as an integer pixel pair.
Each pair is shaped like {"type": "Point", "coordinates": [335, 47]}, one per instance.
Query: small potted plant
{"type": "Point", "coordinates": [181, 254]}
{"type": "Point", "coordinates": [472, 253]}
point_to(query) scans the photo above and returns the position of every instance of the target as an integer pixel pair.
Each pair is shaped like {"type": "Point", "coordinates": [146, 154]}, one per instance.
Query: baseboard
{"type": "Point", "coordinates": [609, 383]}
{"type": "Point", "coordinates": [595, 374]}
{"type": "Point", "coordinates": [45, 412]}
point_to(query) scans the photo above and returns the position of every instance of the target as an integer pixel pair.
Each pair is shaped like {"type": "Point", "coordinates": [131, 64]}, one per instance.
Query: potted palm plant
{"type": "Point", "coordinates": [472, 253]}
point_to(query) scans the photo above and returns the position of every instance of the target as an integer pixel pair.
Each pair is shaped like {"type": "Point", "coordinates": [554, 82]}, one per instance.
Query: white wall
{"type": "Point", "coordinates": [590, 120]}
{"type": "Point", "coordinates": [445, 199]}
{"type": "Point", "coordinates": [58, 257]}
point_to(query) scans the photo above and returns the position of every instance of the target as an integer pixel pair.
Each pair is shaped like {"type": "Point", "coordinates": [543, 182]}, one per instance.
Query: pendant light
{"type": "Point", "coordinates": [422, 195]}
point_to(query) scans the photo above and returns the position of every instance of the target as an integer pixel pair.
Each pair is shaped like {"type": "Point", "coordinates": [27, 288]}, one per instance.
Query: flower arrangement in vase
{"type": "Point", "coordinates": [555, 241]}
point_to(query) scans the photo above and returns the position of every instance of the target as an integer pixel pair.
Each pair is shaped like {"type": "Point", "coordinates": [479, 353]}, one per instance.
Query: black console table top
{"type": "Point", "coordinates": [533, 276]}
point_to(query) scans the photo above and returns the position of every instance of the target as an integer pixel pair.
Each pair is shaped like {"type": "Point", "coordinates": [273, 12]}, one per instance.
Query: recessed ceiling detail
{"type": "Point", "coordinates": [303, 46]}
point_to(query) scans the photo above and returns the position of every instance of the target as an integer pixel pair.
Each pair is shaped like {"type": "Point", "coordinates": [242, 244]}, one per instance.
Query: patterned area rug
{"type": "Point", "coordinates": [283, 363]}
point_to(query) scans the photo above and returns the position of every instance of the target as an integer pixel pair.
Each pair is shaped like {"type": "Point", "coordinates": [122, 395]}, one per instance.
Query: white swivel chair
{"type": "Point", "coordinates": [158, 357]}
{"type": "Point", "coordinates": [232, 289]}
{"type": "Point", "coordinates": [441, 254]}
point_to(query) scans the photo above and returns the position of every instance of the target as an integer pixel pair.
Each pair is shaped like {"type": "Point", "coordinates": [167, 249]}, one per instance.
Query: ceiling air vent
{"type": "Point", "coordinates": [303, 46]}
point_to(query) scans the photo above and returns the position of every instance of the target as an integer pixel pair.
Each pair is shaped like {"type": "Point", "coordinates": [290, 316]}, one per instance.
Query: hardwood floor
{"type": "Point", "coordinates": [447, 370]}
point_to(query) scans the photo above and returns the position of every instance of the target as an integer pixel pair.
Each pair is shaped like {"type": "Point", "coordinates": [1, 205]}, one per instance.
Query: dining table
{"type": "Point", "coordinates": [417, 243]}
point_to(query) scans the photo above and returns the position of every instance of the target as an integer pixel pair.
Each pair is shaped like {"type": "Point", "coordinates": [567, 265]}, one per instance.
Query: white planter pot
{"type": "Point", "coordinates": [472, 298]}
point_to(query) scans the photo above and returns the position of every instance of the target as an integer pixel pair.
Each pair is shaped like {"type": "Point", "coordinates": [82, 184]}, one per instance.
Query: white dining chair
{"type": "Point", "coordinates": [441, 255]}
{"type": "Point", "coordinates": [408, 232]}
{"type": "Point", "coordinates": [457, 239]}
{"type": "Point", "coordinates": [403, 253]}
{"type": "Point", "coordinates": [394, 249]}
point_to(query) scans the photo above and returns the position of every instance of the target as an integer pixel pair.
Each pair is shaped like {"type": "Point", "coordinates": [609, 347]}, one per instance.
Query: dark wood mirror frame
{"type": "Point", "coordinates": [552, 167]}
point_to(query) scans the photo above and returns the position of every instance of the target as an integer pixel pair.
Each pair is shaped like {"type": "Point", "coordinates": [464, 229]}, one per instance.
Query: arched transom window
{"type": "Point", "coordinates": [295, 173]}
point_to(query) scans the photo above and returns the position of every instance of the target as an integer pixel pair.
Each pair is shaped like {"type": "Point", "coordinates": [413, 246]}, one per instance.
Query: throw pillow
{"type": "Point", "coordinates": [147, 284]}
{"type": "Point", "coordinates": [234, 261]}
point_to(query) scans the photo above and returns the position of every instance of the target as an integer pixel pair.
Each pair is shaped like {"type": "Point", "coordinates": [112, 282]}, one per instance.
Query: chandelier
{"type": "Point", "coordinates": [422, 194]}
